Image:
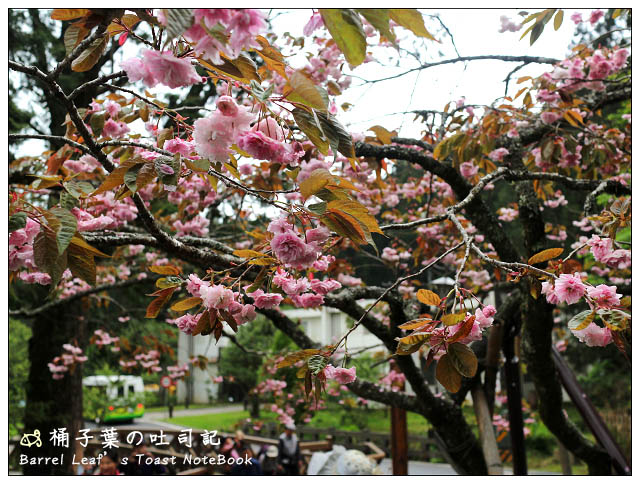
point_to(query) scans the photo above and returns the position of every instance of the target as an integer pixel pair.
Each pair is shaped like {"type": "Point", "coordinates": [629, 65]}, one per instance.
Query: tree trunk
{"type": "Point", "coordinates": [53, 404]}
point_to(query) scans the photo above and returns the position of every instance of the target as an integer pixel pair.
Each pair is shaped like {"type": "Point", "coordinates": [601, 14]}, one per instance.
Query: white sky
{"type": "Point", "coordinates": [475, 33]}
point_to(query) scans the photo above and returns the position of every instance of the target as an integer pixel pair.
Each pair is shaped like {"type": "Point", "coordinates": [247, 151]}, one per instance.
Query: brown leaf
{"type": "Point", "coordinates": [90, 56]}
{"type": "Point", "coordinates": [156, 305]}
{"type": "Point", "coordinates": [545, 255]}
{"type": "Point", "coordinates": [415, 323]}
{"type": "Point", "coordinates": [463, 359]}
{"type": "Point", "coordinates": [414, 339]}
{"type": "Point", "coordinates": [167, 270]}
{"type": "Point", "coordinates": [463, 331]}
{"type": "Point", "coordinates": [447, 375]}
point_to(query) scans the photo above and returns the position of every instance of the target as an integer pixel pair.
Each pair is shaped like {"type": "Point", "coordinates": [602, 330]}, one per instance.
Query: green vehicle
{"type": "Point", "coordinates": [113, 398]}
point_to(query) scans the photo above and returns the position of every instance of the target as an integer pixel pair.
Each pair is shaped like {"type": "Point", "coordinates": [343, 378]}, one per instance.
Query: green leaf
{"type": "Point", "coordinates": [130, 178]}
{"type": "Point", "coordinates": [379, 18]}
{"type": "Point", "coordinates": [317, 363]}
{"type": "Point", "coordinates": [339, 138]}
{"type": "Point", "coordinates": [178, 20]}
{"type": "Point", "coordinates": [463, 359]}
{"type": "Point", "coordinates": [46, 257]}
{"type": "Point", "coordinates": [307, 92]}
{"type": "Point", "coordinates": [410, 19]}
{"type": "Point", "coordinates": [454, 318]}
{"type": "Point", "coordinates": [167, 282]}
{"type": "Point", "coordinates": [345, 27]}
{"type": "Point", "coordinates": [67, 201]}
{"type": "Point", "coordinates": [536, 31]}
{"type": "Point", "coordinates": [68, 225]}
{"type": "Point", "coordinates": [307, 123]}
{"type": "Point", "coordinates": [78, 189]}
{"type": "Point", "coordinates": [581, 320]}
{"type": "Point", "coordinates": [97, 123]}
{"type": "Point", "coordinates": [17, 221]}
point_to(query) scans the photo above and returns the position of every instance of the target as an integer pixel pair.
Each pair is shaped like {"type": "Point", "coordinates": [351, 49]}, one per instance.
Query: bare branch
{"type": "Point", "coordinates": [505, 58]}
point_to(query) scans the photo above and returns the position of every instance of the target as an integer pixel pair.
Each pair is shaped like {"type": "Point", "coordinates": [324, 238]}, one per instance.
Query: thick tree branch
{"type": "Point", "coordinates": [48, 137]}
{"type": "Point", "coordinates": [30, 313]}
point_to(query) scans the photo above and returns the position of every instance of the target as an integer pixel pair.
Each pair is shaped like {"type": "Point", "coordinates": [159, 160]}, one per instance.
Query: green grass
{"type": "Point", "coordinates": [165, 408]}
{"type": "Point", "coordinates": [373, 420]}
{"type": "Point", "coordinates": [541, 446]}
{"type": "Point", "coordinates": [224, 422]}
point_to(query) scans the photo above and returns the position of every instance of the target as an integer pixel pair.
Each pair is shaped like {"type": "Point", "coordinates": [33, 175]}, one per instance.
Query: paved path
{"type": "Point", "coordinates": [418, 468]}
{"type": "Point", "coordinates": [191, 411]}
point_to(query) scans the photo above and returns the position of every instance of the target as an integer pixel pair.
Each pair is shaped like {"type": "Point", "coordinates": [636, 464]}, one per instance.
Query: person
{"type": "Point", "coordinates": [109, 464]}
{"type": "Point", "coordinates": [289, 451]}
{"type": "Point", "coordinates": [136, 466]}
{"type": "Point", "coordinates": [228, 450]}
{"type": "Point", "coordinates": [240, 445]}
{"type": "Point", "coordinates": [249, 466]}
{"type": "Point", "coordinates": [268, 458]}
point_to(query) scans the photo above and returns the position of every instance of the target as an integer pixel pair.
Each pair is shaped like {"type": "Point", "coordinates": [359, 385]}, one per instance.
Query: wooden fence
{"type": "Point", "coordinates": [420, 448]}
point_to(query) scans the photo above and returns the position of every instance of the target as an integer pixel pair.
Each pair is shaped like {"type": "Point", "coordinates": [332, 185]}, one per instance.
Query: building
{"type": "Point", "coordinates": [324, 325]}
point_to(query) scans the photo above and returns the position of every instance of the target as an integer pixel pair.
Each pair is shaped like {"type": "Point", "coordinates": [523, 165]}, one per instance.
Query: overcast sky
{"type": "Point", "coordinates": [475, 33]}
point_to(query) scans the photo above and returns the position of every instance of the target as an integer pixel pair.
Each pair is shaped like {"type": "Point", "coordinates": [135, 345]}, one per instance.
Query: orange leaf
{"type": "Point", "coordinates": [427, 297]}
{"type": "Point", "coordinates": [165, 270]}
{"type": "Point", "coordinates": [545, 255]}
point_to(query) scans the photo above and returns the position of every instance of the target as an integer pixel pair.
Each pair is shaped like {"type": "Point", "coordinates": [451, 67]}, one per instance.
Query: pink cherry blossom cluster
{"type": "Point", "coordinates": [198, 226]}
{"type": "Point", "coordinates": [577, 73]}
{"type": "Point", "coordinates": [483, 318]}
{"type": "Point", "coordinates": [210, 25]}
{"type": "Point", "coordinates": [507, 214]}
{"type": "Point", "coordinates": [194, 193]}
{"type": "Point", "coordinates": [593, 335]}
{"type": "Point", "coordinates": [120, 211]}
{"type": "Point", "coordinates": [602, 251]}
{"type": "Point", "coordinates": [161, 68]}
{"type": "Point", "coordinates": [104, 339]}
{"type": "Point", "coordinates": [296, 288]}
{"type": "Point", "coordinates": [214, 297]}
{"type": "Point", "coordinates": [292, 250]}
{"type": "Point", "coordinates": [394, 380]}
{"type": "Point", "coordinates": [215, 134]}
{"type": "Point", "coordinates": [178, 371]}
{"type": "Point", "coordinates": [265, 142]}
{"type": "Point", "coordinates": [61, 364]}
{"type": "Point", "coordinates": [341, 375]}
{"type": "Point", "coordinates": [84, 164]}
{"type": "Point", "coordinates": [149, 360]}
{"type": "Point", "coordinates": [508, 25]}
{"type": "Point", "coordinates": [87, 222]}
{"type": "Point", "coordinates": [21, 246]}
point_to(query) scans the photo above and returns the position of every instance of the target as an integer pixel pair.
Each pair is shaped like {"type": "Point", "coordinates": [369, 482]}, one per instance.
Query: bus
{"type": "Point", "coordinates": [114, 398]}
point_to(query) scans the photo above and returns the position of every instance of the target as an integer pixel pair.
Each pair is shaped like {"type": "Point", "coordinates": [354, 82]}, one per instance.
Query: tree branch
{"type": "Point", "coordinates": [505, 58]}
{"type": "Point", "coordinates": [30, 313]}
